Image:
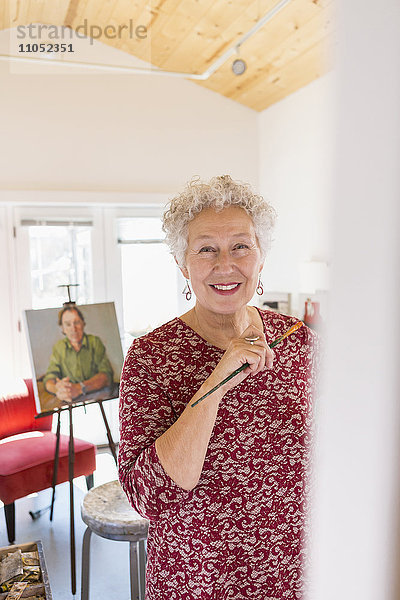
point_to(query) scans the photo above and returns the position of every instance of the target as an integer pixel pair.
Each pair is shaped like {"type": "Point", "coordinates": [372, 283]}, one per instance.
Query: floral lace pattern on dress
{"type": "Point", "coordinates": [239, 534]}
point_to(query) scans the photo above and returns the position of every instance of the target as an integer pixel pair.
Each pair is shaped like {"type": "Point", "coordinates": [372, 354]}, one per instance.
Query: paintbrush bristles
{"type": "Point", "coordinates": [294, 328]}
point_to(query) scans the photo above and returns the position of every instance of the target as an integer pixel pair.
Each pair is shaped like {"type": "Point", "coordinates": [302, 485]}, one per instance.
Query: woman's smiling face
{"type": "Point", "coordinates": [223, 259]}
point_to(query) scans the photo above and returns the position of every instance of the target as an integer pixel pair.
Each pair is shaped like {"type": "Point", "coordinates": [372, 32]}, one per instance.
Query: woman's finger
{"type": "Point", "coordinates": [256, 338]}
{"type": "Point", "coordinates": [254, 355]}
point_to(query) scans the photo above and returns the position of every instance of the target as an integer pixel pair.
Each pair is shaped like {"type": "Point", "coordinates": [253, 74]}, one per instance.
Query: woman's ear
{"type": "Point", "coordinates": [183, 270]}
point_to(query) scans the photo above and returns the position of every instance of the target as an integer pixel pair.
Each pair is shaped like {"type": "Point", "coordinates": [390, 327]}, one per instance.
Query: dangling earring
{"type": "Point", "coordinates": [259, 288]}
{"type": "Point", "coordinates": [187, 291]}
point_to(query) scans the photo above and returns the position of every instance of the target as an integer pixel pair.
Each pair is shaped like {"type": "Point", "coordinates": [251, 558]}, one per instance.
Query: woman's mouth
{"type": "Point", "coordinates": [225, 289]}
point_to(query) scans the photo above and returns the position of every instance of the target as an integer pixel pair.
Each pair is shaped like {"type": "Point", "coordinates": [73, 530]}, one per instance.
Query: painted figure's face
{"type": "Point", "coordinates": [73, 326]}
{"type": "Point", "coordinates": [223, 259]}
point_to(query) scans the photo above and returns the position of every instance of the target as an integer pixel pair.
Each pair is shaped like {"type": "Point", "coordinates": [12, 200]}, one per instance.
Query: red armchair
{"type": "Point", "coordinates": [27, 448]}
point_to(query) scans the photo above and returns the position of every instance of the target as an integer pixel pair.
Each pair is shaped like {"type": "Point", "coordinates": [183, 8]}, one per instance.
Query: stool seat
{"type": "Point", "coordinates": [107, 513]}
{"type": "Point", "coordinates": [106, 510]}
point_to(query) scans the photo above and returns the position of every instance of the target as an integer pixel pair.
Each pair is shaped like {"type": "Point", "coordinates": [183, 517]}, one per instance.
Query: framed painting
{"type": "Point", "coordinates": [75, 352]}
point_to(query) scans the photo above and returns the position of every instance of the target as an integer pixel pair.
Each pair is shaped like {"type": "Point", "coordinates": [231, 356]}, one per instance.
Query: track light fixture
{"type": "Point", "coordinates": [239, 66]}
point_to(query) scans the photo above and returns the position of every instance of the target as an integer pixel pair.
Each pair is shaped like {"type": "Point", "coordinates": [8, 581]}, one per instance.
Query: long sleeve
{"type": "Point", "coordinates": [54, 369]}
{"type": "Point", "coordinates": [100, 358]}
{"type": "Point", "coordinates": [145, 413]}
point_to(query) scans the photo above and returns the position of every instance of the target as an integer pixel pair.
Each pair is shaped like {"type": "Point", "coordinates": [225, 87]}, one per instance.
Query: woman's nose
{"type": "Point", "coordinates": [224, 261]}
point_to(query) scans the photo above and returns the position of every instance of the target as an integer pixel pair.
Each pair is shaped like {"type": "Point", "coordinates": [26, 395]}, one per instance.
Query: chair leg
{"type": "Point", "coordinates": [134, 570]}
{"type": "Point", "coordinates": [85, 564]}
{"type": "Point", "coordinates": [142, 568]}
{"type": "Point", "coordinates": [89, 481]}
{"type": "Point", "coordinates": [9, 511]}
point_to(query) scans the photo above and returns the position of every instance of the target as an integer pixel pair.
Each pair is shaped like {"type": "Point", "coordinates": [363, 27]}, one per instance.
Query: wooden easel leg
{"type": "Point", "coordinates": [71, 460]}
{"type": "Point", "coordinates": [55, 467]}
{"type": "Point", "coordinates": [108, 430]}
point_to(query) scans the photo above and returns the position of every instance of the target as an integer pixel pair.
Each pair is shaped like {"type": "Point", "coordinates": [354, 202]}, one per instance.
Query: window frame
{"type": "Point", "coordinates": [106, 264]}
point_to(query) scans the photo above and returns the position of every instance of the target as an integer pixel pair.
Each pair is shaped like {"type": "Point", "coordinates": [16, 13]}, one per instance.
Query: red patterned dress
{"type": "Point", "coordinates": [239, 534]}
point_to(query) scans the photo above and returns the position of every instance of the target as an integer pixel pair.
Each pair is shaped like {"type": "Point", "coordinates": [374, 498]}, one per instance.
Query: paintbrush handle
{"type": "Point", "coordinates": [243, 367]}
{"type": "Point", "coordinates": [231, 376]}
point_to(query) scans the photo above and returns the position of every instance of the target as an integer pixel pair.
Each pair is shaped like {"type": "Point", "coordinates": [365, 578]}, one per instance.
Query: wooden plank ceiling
{"type": "Point", "coordinates": [286, 54]}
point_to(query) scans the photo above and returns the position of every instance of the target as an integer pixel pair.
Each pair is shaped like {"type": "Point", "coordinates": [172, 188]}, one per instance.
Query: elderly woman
{"type": "Point", "coordinates": [222, 482]}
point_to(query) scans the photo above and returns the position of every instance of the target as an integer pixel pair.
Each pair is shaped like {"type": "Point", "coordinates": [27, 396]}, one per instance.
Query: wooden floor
{"type": "Point", "coordinates": [109, 560]}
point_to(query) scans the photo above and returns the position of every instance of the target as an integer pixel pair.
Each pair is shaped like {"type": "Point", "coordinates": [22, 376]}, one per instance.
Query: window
{"type": "Point", "coordinates": [150, 278]}
{"type": "Point", "coordinates": [60, 254]}
{"type": "Point", "coordinates": [114, 253]}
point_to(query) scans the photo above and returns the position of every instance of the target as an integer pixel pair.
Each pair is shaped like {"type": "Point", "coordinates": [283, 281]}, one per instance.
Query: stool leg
{"type": "Point", "coordinates": [85, 564]}
{"type": "Point", "coordinates": [142, 569]}
{"type": "Point", "coordinates": [89, 481]}
{"type": "Point", "coordinates": [134, 570]}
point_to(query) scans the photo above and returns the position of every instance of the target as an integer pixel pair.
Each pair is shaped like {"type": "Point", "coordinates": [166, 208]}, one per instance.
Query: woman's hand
{"type": "Point", "coordinates": [182, 448]}
{"type": "Point", "coordinates": [240, 351]}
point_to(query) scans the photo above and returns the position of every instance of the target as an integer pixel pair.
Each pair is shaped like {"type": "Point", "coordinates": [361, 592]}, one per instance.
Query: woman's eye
{"type": "Point", "coordinates": [207, 249]}
{"type": "Point", "coordinates": [241, 246]}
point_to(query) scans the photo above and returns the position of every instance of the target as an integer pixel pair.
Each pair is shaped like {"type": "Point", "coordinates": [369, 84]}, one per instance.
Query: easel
{"type": "Point", "coordinates": [71, 456]}
{"type": "Point", "coordinates": [71, 461]}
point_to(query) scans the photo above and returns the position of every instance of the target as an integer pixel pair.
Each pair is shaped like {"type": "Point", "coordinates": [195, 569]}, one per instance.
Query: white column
{"type": "Point", "coordinates": [8, 312]}
{"type": "Point", "coordinates": [358, 468]}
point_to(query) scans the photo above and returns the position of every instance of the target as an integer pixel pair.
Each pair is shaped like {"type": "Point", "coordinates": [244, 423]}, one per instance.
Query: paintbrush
{"type": "Point", "coordinates": [278, 340]}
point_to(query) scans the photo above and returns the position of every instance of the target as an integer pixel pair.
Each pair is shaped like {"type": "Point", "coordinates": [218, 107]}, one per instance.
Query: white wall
{"type": "Point", "coordinates": [8, 318]}
{"type": "Point", "coordinates": [295, 162]}
{"type": "Point", "coordinates": [74, 130]}
{"type": "Point", "coordinates": [356, 550]}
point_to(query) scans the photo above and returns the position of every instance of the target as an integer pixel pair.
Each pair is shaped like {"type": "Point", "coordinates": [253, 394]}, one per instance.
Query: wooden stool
{"type": "Point", "coordinates": [107, 512]}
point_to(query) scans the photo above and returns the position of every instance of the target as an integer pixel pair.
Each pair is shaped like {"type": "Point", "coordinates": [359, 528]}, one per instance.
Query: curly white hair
{"type": "Point", "coordinates": [219, 193]}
